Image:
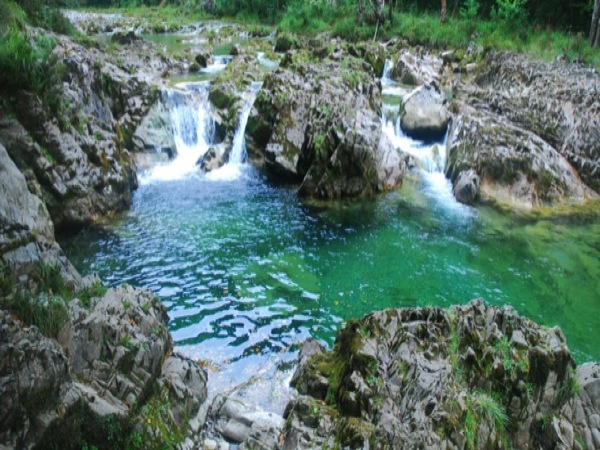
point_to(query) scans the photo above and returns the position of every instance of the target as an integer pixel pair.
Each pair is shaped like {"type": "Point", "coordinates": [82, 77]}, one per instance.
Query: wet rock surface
{"type": "Point", "coordinates": [473, 376]}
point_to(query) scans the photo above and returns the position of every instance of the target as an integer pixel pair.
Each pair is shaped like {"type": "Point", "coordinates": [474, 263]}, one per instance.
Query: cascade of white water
{"type": "Point", "coordinates": [237, 156]}
{"type": "Point", "coordinates": [238, 150]}
{"type": "Point", "coordinates": [193, 130]}
{"type": "Point", "coordinates": [387, 70]}
{"type": "Point", "coordinates": [432, 156]}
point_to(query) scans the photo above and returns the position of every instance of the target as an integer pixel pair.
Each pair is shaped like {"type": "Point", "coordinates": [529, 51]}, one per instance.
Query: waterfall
{"type": "Point", "coordinates": [387, 70]}
{"type": "Point", "coordinates": [431, 157]}
{"type": "Point", "coordinates": [238, 150]}
{"type": "Point", "coordinates": [237, 156]}
{"type": "Point", "coordinates": [193, 130]}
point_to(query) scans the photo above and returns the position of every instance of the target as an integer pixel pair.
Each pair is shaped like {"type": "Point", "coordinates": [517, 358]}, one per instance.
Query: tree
{"type": "Point", "coordinates": [443, 15]}
{"type": "Point", "coordinates": [595, 28]}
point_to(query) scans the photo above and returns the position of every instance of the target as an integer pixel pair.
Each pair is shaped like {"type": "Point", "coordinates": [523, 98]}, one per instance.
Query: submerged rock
{"type": "Point", "coordinates": [474, 376]}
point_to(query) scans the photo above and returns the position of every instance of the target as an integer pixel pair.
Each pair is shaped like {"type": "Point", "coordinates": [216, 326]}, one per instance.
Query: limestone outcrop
{"type": "Point", "coordinates": [80, 363]}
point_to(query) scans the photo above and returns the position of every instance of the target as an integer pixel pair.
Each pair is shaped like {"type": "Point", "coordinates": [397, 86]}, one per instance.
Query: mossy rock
{"type": "Point", "coordinates": [285, 42]}
{"type": "Point", "coordinates": [222, 96]}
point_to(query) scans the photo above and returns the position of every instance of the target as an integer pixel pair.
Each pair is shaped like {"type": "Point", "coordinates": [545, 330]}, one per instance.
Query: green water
{"type": "Point", "coordinates": [247, 270]}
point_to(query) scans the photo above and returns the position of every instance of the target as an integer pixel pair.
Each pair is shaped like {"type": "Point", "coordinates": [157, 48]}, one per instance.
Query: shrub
{"type": "Point", "coordinates": [511, 12]}
{"type": "Point", "coordinates": [469, 10]}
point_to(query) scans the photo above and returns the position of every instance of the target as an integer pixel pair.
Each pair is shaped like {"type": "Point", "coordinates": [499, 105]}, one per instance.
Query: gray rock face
{"type": "Point", "coordinates": [214, 158]}
{"type": "Point", "coordinates": [248, 426]}
{"type": "Point", "coordinates": [74, 148]}
{"type": "Point", "coordinates": [18, 207]}
{"type": "Point", "coordinates": [106, 361]}
{"type": "Point", "coordinates": [530, 130]}
{"type": "Point", "coordinates": [516, 167]}
{"type": "Point", "coordinates": [26, 231]}
{"type": "Point", "coordinates": [320, 125]}
{"type": "Point", "coordinates": [427, 378]}
{"type": "Point", "coordinates": [559, 102]}
{"type": "Point", "coordinates": [155, 131]}
{"type": "Point", "coordinates": [425, 115]}
{"type": "Point", "coordinates": [32, 372]}
{"type": "Point", "coordinates": [415, 68]}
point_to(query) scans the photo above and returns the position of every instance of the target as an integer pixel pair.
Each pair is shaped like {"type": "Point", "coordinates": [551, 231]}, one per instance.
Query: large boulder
{"type": "Point", "coordinates": [319, 124]}
{"type": "Point", "coordinates": [557, 101]}
{"type": "Point", "coordinates": [515, 166]}
{"type": "Point", "coordinates": [424, 114]}
{"type": "Point", "coordinates": [471, 377]}
{"type": "Point", "coordinates": [110, 368]}
{"type": "Point", "coordinates": [26, 232]}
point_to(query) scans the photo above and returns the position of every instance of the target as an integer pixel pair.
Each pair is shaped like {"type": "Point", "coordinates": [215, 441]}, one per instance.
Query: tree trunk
{"type": "Point", "coordinates": [443, 15]}
{"type": "Point", "coordinates": [595, 28]}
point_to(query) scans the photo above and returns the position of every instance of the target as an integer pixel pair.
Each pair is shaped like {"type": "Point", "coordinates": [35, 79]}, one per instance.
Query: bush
{"type": "Point", "coordinates": [469, 10]}
{"type": "Point", "coordinates": [511, 12]}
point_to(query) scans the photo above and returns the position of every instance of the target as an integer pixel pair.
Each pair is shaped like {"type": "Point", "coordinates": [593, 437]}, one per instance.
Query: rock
{"type": "Point", "coordinates": [18, 207]}
{"type": "Point", "coordinates": [214, 158]}
{"type": "Point", "coordinates": [449, 57]}
{"type": "Point", "coordinates": [236, 50]}
{"type": "Point", "coordinates": [429, 378]}
{"type": "Point", "coordinates": [415, 68]}
{"type": "Point", "coordinates": [556, 101]}
{"type": "Point", "coordinates": [124, 38]}
{"type": "Point", "coordinates": [155, 130]}
{"type": "Point", "coordinates": [249, 426]}
{"type": "Point", "coordinates": [305, 127]}
{"type": "Point", "coordinates": [425, 116]}
{"type": "Point", "coordinates": [76, 150]}
{"type": "Point", "coordinates": [516, 167]}
{"type": "Point", "coordinates": [466, 187]}
{"type": "Point", "coordinates": [203, 59]}
{"type": "Point", "coordinates": [226, 94]}
{"type": "Point", "coordinates": [285, 42]}
{"type": "Point", "coordinates": [32, 372]}
{"type": "Point", "coordinates": [101, 369]}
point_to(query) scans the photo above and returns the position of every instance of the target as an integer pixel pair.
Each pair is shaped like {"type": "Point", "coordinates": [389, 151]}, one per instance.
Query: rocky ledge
{"type": "Point", "coordinates": [81, 364]}
{"type": "Point", "coordinates": [525, 133]}
{"type": "Point", "coordinates": [473, 376]}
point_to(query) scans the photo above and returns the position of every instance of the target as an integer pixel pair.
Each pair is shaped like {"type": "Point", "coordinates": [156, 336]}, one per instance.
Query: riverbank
{"type": "Point", "coordinates": [424, 29]}
{"type": "Point", "coordinates": [110, 353]}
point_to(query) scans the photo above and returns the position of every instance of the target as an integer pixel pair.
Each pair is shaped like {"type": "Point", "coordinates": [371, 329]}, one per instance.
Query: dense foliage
{"type": "Point", "coordinates": [571, 16]}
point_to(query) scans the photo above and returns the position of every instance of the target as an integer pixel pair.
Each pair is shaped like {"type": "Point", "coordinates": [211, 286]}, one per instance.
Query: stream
{"type": "Point", "coordinates": [248, 270]}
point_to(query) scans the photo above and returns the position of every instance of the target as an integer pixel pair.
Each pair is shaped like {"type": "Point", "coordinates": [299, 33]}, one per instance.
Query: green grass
{"type": "Point", "coordinates": [425, 29]}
